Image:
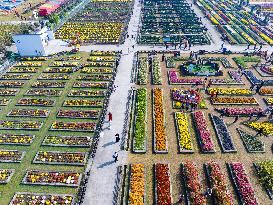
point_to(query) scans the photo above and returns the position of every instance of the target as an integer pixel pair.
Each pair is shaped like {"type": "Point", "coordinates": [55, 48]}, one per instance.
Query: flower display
{"type": "Point", "coordinates": [193, 185]}
{"type": "Point", "coordinates": [266, 91]}
{"type": "Point", "coordinates": [184, 138]}
{"type": "Point", "coordinates": [59, 70]}
{"type": "Point", "coordinates": [266, 127]}
{"type": "Point", "coordinates": [137, 185]}
{"type": "Point", "coordinates": [163, 184]}
{"type": "Point", "coordinates": [11, 155]}
{"type": "Point", "coordinates": [16, 139]}
{"type": "Point", "coordinates": [43, 92]}
{"type": "Point", "coordinates": [219, 184]}
{"type": "Point", "coordinates": [5, 175]}
{"type": "Point", "coordinates": [42, 84]}
{"type": "Point", "coordinates": [8, 92]}
{"type": "Point", "coordinates": [265, 174]}
{"type": "Point", "coordinates": [234, 101]}
{"type": "Point", "coordinates": [4, 101]}
{"type": "Point", "coordinates": [243, 111]}
{"type": "Point", "coordinates": [14, 76]}
{"type": "Point", "coordinates": [159, 121]}
{"type": "Point", "coordinates": [54, 76]}
{"type": "Point", "coordinates": [95, 77]}
{"type": "Point", "coordinates": [243, 185]}
{"type": "Point", "coordinates": [102, 58]}
{"type": "Point", "coordinates": [229, 91]}
{"type": "Point", "coordinates": [64, 64]}
{"type": "Point", "coordinates": [70, 58]}
{"type": "Point", "coordinates": [28, 113]}
{"type": "Point", "coordinates": [67, 158]}
{"type": "Point", "coordinates": [53, 178]}
{"type": "Point", "coordinates": [184, 96]}
{"type": "Point", "coordinates": [174, 79]}
{"type": "Point", "coordinates": [235, 79]}
{"type": "Point", "coordinates": [84, 114]}
{"type": "Point", "coordinates": [67, 141]}
{"type": "Point", "coordinates": [96, 70]}
{"type": "Point", "coordinates": [19, 125]}
{"type": "Point", "coordinates": [223, 134]}
{"type": "Point", "coordinates": [29, 64]}
{"type": "Point", "coordinates": [39, 58]}
{"type": "Point", "coordinates": [102, 54]}
{"type": "Point", "coordinates": [140, 120]}
{"type": "Point", "coordinates": [269, 101]}
{"type": "Point", "coordinates": [83, 103]}
{"type": "Point", "coordinates": [143, 68]}
{"type": "Point", "coordinates": [11, 84]}
{"type": "Point", "coordinates": [73, 126]}
{"type": "Point", "coordinates": [156, 71]}
{"type": "Point", "coordinates": [90, 85]}
{"type": "Point", "coordinates": [23, 70]}
{"type": "Point", "coordinates": [251, 142]}
{"type": "Point", "coordinates": [31, 198]}
{"type": "Point", "coordinates": [86, 93]}
{"type": "Point", "coordinates": [35, 102]}
{"type": "Point", "coordinates": [100, 64]}
{"type": "Point", "coordinates": [201, 125]}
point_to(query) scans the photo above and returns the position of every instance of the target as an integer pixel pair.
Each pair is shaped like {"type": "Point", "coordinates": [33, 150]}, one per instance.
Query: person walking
{"type": "Point", "coordinates": [117, 138]}
{"type": "Point", "coordinates": [162, 58]}
{"type": "Point", "coordinates": [208, 192]}
{"type": "Point", "coordinates": [115, 156]}
{"type": "Point", "coordinates": [110, 119]}
{"type": "Point", "coordinates": [235, 119]}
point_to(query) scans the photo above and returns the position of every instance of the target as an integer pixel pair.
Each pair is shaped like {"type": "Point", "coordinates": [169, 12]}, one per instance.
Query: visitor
{"type": "Point", "coordinates": [255, 46]}
{"type": "Point", "coordinates": [110, 119]}
{"type": "Point", "coordinates": [163, 58]}
{"type": "Point", "coordinates": [189, 44]}
{"type": "Point", "coordinates": [222, 46]}
{"type": "Point", "coordinates": [115, 156]}
{"type": "Point", "coordinates": [180, 199]}
{"type": "Point", "coordinates": [259, 132]}
{"type": "Point", "coordinates": [185, 44]}
{"type": "Point", "coordinates": [259, 115]}
{"type": "Point", "coordinates": [117, 138]}
{"type": "Point", "coordinates": [208, 192]}
{"type": "Point", "coordinates": [261, 46]}
{"type": "Point", "coordinates": [235, 119]}
{"type": "Point", "coordinates": [248, 46]}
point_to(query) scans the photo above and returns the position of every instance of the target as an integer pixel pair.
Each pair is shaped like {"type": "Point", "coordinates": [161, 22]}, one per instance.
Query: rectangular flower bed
{"type": "Point", "coordinates": [140, 121]}
{"type": "Point", "coordinates": [11, 84]}
{"type": "Point", "coordinates": [102, 58]}
{"type": "Point", "coordinates": [235, 79]}
{"type": "Point", "coordinates": [29, 64]}
{"type": "Point", "coordinates": [35, 102]}
{"type": "Point", "coordinates": [67, 141]}
{"type": "Point", "coordinates": [244, 111]}
{"type": "Point", "coordinates": [73, 126]}
{"type": "Point", "coordinates": [5, 175]}
{"type": "Point", "coordinates": [268, 101]}
{"type": "Point", "coordinates": [192, 184]}
{"type": "Point", "coordinates": [11, 156]}
{"type": "Point", "coordinates": [23, 70]}
{"type": "Point", "coordinates": [54, 76]}
{"type": "Point", "coordinates": [160, 139]}
{"type": "Point", "coordinates": [83, 103]}
{"type": "Point", "coordinates": [97, 70]}
{"type": "Point", "coordinates": [183, 134]}
{"type": "Point", "coordinates": [266, 127]}
{"type": "Point", "coordinates": [102, 85]}
{"type": "Point", "coordinates": [223, 134]}
{"type": "Point", "coordinates": [43, 84]}
{"type": "Point", "coordinates": [16, 139]}
{"type": "Point", "coordinates": [163, 190]}
{"type": "Point", "coordinates": [59, 70]}
{"type": "Point", "coordinates": [203, 133]}
{"type": "Point", "coordinates": [234, 101]}
{"type": "Point", "coordinates": [242, 184]}
{"type": "Point", "coordinates": [251, 142]}
{"type": "Point", "coordinates": [19, 125]}
{"type": "Point", "coordinates": [64, 64]}
{"type": "Point", "coordinates": [28, 113]}
{"type": "Point", "coordinates": [96, 77]}
{"type": "Point", "coordinates": [52, 178]}
{"type": "Point", "coordinates": [143, 68]}
{"type": "Point", "coordinates": [266, 91]}
{"type": "Point", "coordinates": [156, 71]}
{"type": "Point", "coordinates": [22, 198]}
{"type": "Point", "coordinates": [100, 64]}
{"type": "Point", "coordinates": [218, 182]}
{"type": "Point", "coordinates": [82, 114]}
{"type": "Point", "coordinates": [175, 80]}
{"type": "Point", "coordinates": [61, 158]}
{"type": "Point", "coordinates": [86, 93]}
{"type": "Point", "coordinates": [8, 92]}
{"type": "Point", "coordinates": [43, 92]}
{"type": "Point", "coordinates": [230, 91]}
{"type": "Point", "coordinates": [11, 76]}
{"type": "Point", "coordinates": [137, 192]}
{"type": "Point", "coordinates": [4, 101]}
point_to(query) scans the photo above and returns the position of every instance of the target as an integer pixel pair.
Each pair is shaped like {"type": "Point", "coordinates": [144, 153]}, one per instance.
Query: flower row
{"type": "Point", "coordinates": [28, 113]}
{"type": "Point", "coordinates": [95, 77]}
{"type": "Point", "coordinates": [43, 92]}
{"type": "Point", "coordinates": [266, 91]}
{"type": "Point", "coordinates": [90, 85]}
{"type": "Point", "coordinates": [96, 70]}
{"type": "Point", "coordinates": [100, 64]}
{"type": "Point", "coordinates": [8, 92]}
{"type": "Point", "coordinates": [101, 58]}
{"type": "Point", "coordinates": [11, 84]}
{"type": "Point", "coordinates": [156, 71]}
{"type": "Point", "coordinates": [19, 125]}
{"type": "Point", "coordinates": [73, 126]}
{"type": "Point", "coordinates": [29, 64]}
{"type": "Point", "coordinates": [234, 101]}
{"type": "Point", "coordinates": [5, 175]}
{"type": "Point", "coordinates": [35, 102]}
{"type": "Point", "coordinates": [23, 70]}
{"type": "Point", "coordinates": [12, 76]}
{"type": "Point", "coordinates": [83, 103]}
{"type": "Point", "coordinates": [43, 84]}
{"type": "Point", "coordinates": [54, 76]}
{"type": "Point", "coordinates": [4, 101]}
{"type": "Point", "coordinates": [244, 111]}
{"type": "Point", "coordinates": [174, 79]}
{"type": "Point", "coordinates": [67, 141]}
{"type": "Point", "coordinates": [229, 91]}
{"type": "Point", "coordinates": [86, 93]}
{"type": "Point", "coordinates": [265, 127]}
{"type": "Point", "coordinates": [143, 68]}
{"type": "Point", "coordinates": [64, 64]}
{"type": "Point", "coordinates": [59, 70]}
{"type": "Point", "coordinates": [11, 155]}
{"type": "Point", "coordinates": [83, 114]}
{"type": "Point", "coordinates": [252, 143]}
{"type": "Point", "coordinates": [16, 139]}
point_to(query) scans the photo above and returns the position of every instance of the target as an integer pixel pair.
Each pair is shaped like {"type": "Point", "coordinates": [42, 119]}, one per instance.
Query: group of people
{"type": "Point", "coordinates": [183, 44]}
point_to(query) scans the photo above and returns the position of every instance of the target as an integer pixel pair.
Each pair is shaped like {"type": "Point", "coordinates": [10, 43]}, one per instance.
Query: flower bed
{"type": "Point", "coordinates": [86, 93]}
{"type": "Point", "coordinates": [11, 156]}
{"type": "Point", "coordinates": [97, 70]}
{"type": "Point", "coordinates": [95, 77]}
{"type": "Point", "coordinates": [73, 126]}
{"type": "Point", "coordinates": [266, 127]}
{"type": "Point", "coordinates": [218, 183]}
{"type": "Point", "coordinates": [59, 70]}
{"type": "Point", "coordinates": [182, 96]}
{"type": "Point", "coordinates": [11, 84]}
{"type": "Point", "coordinates": [183, 134]}
{"type": "Point", "coordinates": [265, 173]}
{"type": "Point", "coordinates": [40, 58]}
{"type": "Point", "coordinates": [254, 80]}
{"type": "Point", "coordinates": [52, 178]}
{"type": "Point", "coordinates": [67, 141]}
{"type": "Point", "coordinates": [83, 103]}
{"type": "Point", "coordinates": [8, 92]}
{"type": "Point", "coordinates": [203, 133]}
{"type": "Point", "coordinates": [170, 62]}
{"type": "Point", "coordinates": [243, 186]}
{"type": "Point", "coordinates": [12, 76]}
{"type": "Point", "coordinates": [35, 102]}
{"type": "Point", "coordinates": [251, 142]}
{"type": "Point", "coordinates": [23, 70]}
{"type": "Point", "coordinates": [266, 91]}
{"type": "Point", "coordinates": [54, 76]}
{"type": "Point", "coordinates": [163, 192]}
{"type": "Point", "coordinates": [16, 139]}
{"type": "Point", "coordinates": [223, 134]}
{"type": "Point", "coordinates": [4, 102]}
{"type": "Point", "coordinates": [100, 64]}
{"type": "Point", "coordinates": [137, 185]}
{"type": "Point", "coordinates": [28, 113]}
{"type": "Point", "coordinates": [235, 79]}
{"type": "Point", "coordinates": [23, 198]}
{"type": "Point", "coordinates": [43, 92]}
{"type": "Point", "coordinates": [160, 138]}
{"type": "Point", "coordinates": [174, 79]}
{"type": "Point", "coordinates": [82, 114]}
{"type": "Point", "coordinates": [102, 58]}
{"type": "Point", "coordinates": [5, 175]}
{"type": "Point", "coordinates": [244, 111]}
{"type": "Point", "coordinates": [139, 143]}
{"type": "Point", "coordinates": [193, 187]}
{"type": "Point", "coordinates": [234, 101]}
{"type": "Point", "coordinates": [61, 158]}
{"type": "Point", "coordinates": [143, 68]}
{"type": "Point", "coordinates": [242, 61]}
{"type": "Point", "coordinates": [29, 64]}
{"type": "Point", "coordinates": [42, 84]}
{"type": "Point", "coordinates": [156, 71]}
{"type": "Point", "coordinates": [64, 64]}
{"type": "Point", "coordinates": [230, 91]}
{"type": "Point", "coordinates": [19, 125]}
{"type": "Point", "coordinates": [102, 85]}
{"type": "Point", "coordinates": [269, 101]}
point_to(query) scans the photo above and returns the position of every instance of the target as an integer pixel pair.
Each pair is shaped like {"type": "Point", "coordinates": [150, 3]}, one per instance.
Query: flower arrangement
{"type": "Point", "coordinates": [234, 101]}
{"type": "Point", "coordinates": [43, 92]}
{"type": "Point", "coordinates": [28, 113]}
{"type": "Point", "coordinates": [73, 126]}
{"type": "Point", "coordinates": [11, 155]}
{"type": "Point", "coordinates": [16, 139]}
{"type": "Point", "coordinates": [14, 76]}
{"type": "Point", "coordinates": [19, 125]}
{"type": "Point", "coordinates": [83, 103]}
{"type": "Point", "coordinates": [42, 84]}
{"type": "Point", "coordinates": [86, 93]}
{"type": "Point", "coordinates": [35, 102]}
{"type": "Point", "coordinates": [54, 76]}
{"type": "Point", "coordinates": [83, 114]}
{"type": "Point", "coordinates": [67, 141]}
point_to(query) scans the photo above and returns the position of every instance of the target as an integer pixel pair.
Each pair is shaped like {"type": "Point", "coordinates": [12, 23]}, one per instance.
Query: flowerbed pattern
{"type": "Point", "coordinates": [251, 142]}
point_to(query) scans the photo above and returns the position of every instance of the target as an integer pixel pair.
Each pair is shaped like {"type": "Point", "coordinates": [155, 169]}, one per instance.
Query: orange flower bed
{"type": "Point", "coordinates": [159, 129]}
{"type": "Point", "coordinates": [234, 100]}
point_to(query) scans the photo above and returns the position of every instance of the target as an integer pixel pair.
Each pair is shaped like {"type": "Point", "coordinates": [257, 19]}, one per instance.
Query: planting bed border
{"type": "Point", "coordinates": [66, 145]}
{"type": "Point", "coordinates": [48, 112]}
{"type": "Point", "coordinates": [19, 144]}
{"type": "Point", "coordinates": [72, 117]}
{"type": "Point", "coordinates": [23, 153]}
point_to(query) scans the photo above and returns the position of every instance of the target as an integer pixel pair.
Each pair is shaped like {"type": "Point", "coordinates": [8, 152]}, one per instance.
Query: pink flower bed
{"type": "Point", "coordinates": [174, 79]}
{"type": "Point", "coordinates": [232, 111]}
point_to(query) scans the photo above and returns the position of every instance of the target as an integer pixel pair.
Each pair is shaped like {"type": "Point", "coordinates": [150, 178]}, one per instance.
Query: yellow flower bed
{"type": "Point", "coordinates": [229, 91]}
{"type": "Point", "coordinates": [266, 127]}
{"type": "Point", "coordinates": [183, 131]}
{"type": "Point", "coordinates": [269, 101]}
{"type": "Point", "coordinates": [137, 185]}
{"type": "Point", "coordinates": [266, 38]}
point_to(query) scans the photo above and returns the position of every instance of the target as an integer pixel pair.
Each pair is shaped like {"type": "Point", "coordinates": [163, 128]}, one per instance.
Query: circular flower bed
{"type": "Point", "coordinates": [35, 102]}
